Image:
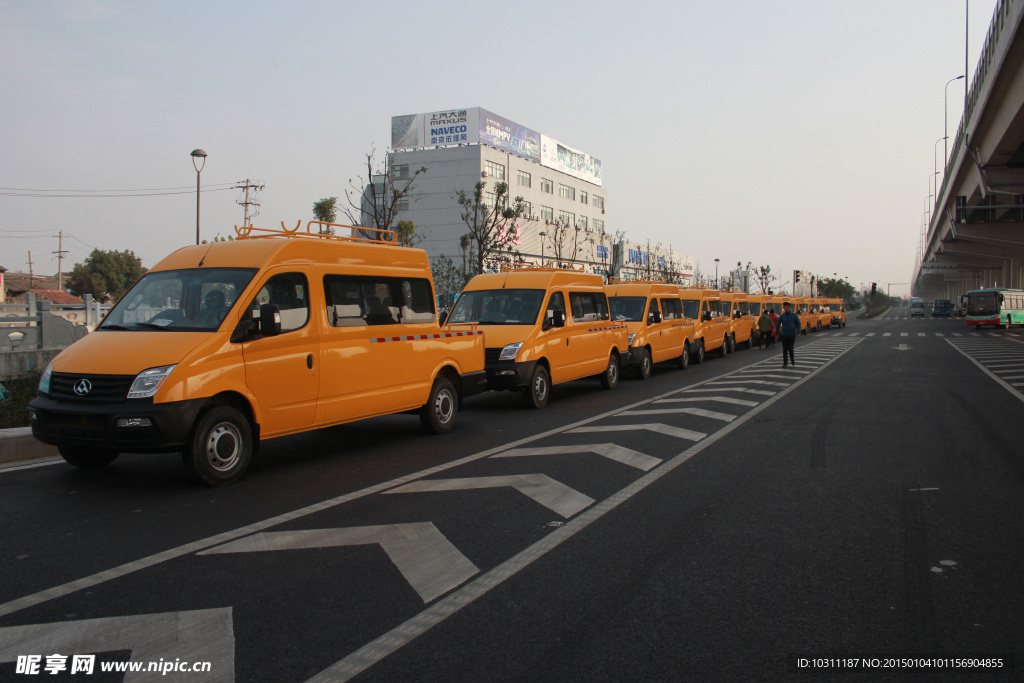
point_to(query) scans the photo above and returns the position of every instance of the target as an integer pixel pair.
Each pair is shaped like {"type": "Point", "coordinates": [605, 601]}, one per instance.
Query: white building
{"type": "Point", "coordinates": [560, 186]}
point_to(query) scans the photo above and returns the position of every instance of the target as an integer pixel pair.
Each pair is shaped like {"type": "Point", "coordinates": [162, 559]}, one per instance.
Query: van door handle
{"type": "Point", "coordinates": [309, 361]}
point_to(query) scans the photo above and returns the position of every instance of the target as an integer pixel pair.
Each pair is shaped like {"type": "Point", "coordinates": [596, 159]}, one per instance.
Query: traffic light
{"type": "Point", "coordinates": [874, 287]}
{"type": "Point", "coordinates": [796, 278]}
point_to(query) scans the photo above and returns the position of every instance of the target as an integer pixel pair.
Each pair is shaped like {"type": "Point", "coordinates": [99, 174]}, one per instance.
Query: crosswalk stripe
{"type": "Point", "coordinates": [719, 399]}
{"type": "Point", "coordinates": [699, 412]}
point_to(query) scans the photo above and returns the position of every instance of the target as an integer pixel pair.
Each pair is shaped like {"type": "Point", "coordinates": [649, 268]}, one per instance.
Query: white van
{"type": "Point", "coordinates": [916, 307]}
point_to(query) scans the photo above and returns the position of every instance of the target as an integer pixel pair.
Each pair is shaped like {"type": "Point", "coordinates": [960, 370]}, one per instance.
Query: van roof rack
{"type": "Point", "coordinates": [550, 266]}
{"type": "Point", "coordinates": [371, 235]}
{"type": "Point", "coordinates": [622, 281]}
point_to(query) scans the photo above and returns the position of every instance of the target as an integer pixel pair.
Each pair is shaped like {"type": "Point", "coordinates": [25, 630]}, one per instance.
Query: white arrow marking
{"type": "Point", "coordinates": [724, 417]}
{"type": "Point", "coordinates": [626, 456]}
{"type": "Point", "coordinates": [553, 495]}
{"type": "Point", "coordinates": [196, 636]}
{"type": "Point", "coordinates": [660, 428]}
{"type": "Point", "coordinates": [701, 399]}
{"type": "Point", "coordinates": [903, 347]}
{"type": "Point", "coordinates": [736, 389]}
{"type": "Point", "coordinates": [427, 560]}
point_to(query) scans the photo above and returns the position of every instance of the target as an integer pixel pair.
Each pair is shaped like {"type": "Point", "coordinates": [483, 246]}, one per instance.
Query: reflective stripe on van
{"type": "Point", "coordinates": [418, 337]}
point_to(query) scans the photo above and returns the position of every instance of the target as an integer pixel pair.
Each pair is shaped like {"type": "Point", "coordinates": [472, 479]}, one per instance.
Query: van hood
{"type": "Point", "coordinates": [115, 352]}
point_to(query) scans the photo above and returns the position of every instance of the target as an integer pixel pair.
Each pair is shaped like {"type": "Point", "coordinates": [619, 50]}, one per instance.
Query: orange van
{"type": "Point", "coordinates": [837, 309]}
{"type": "Point", "coordinates": [802, 307]}
{"type": "Point", "coordinates": [712, 327]}
{"type": "Point", "coordinates": [757, 303]}
{"type": "Point", "coordinates": [278, 332]}
{"type": "Point", "coordinates": [824, 314]}
{"type": "Point", "coordinates": [543, 326]}
{"type": "Point", "coordinates": [742, 325]}
{"type": "Point", "coordinates": [653, 316]}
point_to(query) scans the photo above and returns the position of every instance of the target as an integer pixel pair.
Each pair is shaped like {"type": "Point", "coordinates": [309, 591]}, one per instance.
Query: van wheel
{"type": "Point", "coordinates": [731, 344]}
{"type": "Point", "coordinates": [221, 447]}
{"type": "Point", "coordinates": [87, 458]}
{"type": "Point", "coordinates": [643, 371]}
{"type": "Point", "coordinates": [698, 357]}
{"type": "Point", "coordinates": [684, 358]}
{"type": "Point", "coordinates": [438, 415]}
{"type": "Point", "coordinates": [537, 393]}
{"type": "Point", "coordinates": [610, 376]}
{"type": "Point", "coordinates": [819, 328]}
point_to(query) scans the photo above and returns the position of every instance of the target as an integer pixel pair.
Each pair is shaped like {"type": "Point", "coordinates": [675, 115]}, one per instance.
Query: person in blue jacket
{"type": "Point", "coordinates": [788, 327]}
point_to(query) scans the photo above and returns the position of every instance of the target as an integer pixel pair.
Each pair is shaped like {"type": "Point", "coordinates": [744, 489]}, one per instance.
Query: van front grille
{"type": "Point", "coordinates": [91, 388]}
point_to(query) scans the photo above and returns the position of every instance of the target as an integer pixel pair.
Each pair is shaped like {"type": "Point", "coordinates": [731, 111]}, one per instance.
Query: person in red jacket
{"type": "Point", "coordinates": [775, 322]}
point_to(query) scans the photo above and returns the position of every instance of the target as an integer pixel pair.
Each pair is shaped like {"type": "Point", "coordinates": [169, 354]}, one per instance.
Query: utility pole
{"type": "Point", "coordinates": [60, 260]}
{"type": "Point", "coordinates": [249, 185]}
{"type": "Point", "coordinates": [30, 283]}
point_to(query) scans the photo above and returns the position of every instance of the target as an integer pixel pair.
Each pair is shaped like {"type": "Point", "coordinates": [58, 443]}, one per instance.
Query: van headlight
{"type": "Point", "coordinates": [149, 381]}
{"type": "Point", "coordinates": [44, 381]}
{"type": "Point", "coordinates": [510, 351]}
{"type": "Point", "coordinates": [631, 337]}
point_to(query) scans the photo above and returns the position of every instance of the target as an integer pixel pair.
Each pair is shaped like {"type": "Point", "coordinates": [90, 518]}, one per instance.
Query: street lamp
{"type": "Point", "coordinates": [198, 154]}
{"type": "Point", "coordinates": [945, 129]}
{"type": "Point", "coordinates": [716, 272]}
{"type": "Point", "coordinates": [542, 235]}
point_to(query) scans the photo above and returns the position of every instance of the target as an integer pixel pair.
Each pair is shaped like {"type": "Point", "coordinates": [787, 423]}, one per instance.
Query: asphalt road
{"type": "Point", "coordinates": [717, 523]}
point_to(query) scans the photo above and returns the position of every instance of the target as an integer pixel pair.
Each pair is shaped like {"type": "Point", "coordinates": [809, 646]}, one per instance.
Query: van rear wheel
{"type": "Point", "coordinates": [610, 376]}
{"type": "Point", "coordinates": [438, 415]}
{"type": "Point", "coordinates": [698, 356]}
{"type": "Point", "coordinates": [537, 393]}
{"type": "Point", "coordinates": [643, 371]}
{"type": "Point", "coordinates": [87, 458]}
{"type": "Point", "coordinates": [221, 447]}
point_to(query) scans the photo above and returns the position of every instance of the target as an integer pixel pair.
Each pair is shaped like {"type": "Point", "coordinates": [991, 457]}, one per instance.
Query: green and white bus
{"type": "Point", "coordinates": [996, 306]}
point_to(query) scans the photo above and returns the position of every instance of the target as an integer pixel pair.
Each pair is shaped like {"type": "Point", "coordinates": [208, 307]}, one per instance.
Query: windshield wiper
{"type": "Point", "coordinates": [112, 326]}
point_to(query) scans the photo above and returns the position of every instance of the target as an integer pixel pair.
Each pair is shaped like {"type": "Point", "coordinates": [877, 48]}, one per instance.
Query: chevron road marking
{"type": "Point", "coordinates": [701, 399]}
{"type": "Point", "coordinates": [626, 456]}
{"type": "Point", "coordinates": [659, 428]}
{"type": "Point", "coordinates": [194, 636]}
{"type": "Point", "coordinates": [745, 381]}
{"type": "Point", "coordinates": [553, 495]}
{"type": "Point", "coordinates": [724, 417]}
{"type": "Point", "coordinates": [736, 389]}
{"type": "Point", "coordinates": [427, 560]}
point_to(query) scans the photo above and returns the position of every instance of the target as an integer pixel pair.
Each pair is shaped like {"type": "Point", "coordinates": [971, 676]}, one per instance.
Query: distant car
{"type": "Point", "coordinates": [916, 308]}
{"type": "Point", "coordinates": [943, 308]}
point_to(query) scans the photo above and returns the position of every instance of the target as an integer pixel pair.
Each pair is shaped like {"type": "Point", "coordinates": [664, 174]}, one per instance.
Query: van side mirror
{"type": "Point", "coordinates": [706, 316]}
{"type": "Point", "coordinates": [442, 317]}
{"type": "Point", "coordinates": [559, 318]}
{"type": "Point", "coordinates": [736, 314]}
{"type": "Point", "coordinates": [270, 320]}
{"type": "Point", "coordinates": [654, 318]}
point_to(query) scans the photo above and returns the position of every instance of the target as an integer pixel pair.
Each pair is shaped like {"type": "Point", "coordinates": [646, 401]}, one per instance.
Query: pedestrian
{"type": "Point", "coordinates": [775, 322]}
{"type": "Point", "coordinates": [788, 327]}
{"type": "Point", "coordinates": [766, 327]}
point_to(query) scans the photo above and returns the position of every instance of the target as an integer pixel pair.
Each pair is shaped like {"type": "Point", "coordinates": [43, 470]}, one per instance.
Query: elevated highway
{"type": "Point", "coordinates": [975, 235]}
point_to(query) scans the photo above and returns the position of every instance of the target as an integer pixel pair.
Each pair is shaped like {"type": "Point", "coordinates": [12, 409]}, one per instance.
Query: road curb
{"type": "Point", "coordinates": [18, 444]}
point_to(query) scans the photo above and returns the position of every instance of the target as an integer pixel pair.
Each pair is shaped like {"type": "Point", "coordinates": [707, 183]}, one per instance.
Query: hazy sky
{"type": "Point", "coordinates": [785, 133]}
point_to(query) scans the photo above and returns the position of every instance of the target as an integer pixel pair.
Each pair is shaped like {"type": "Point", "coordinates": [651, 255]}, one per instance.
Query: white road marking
{"type": "Point", "coordinates": [904, 334]}
{"type": "Point", "coordinates": [921, 334]}
{"type": "Point", "coordinates": [699, 412]}
{"type": "Point", "coordinates": [870, 334]}
{"type": "Point", "coordinates": [669, 430]}
{"type": "Point", "coordinates": [552, 494]}
{"type": "Point", "coordinates": [627, 456]}
{"type": "Point", "coordinates": [736, 389]}
{"type": "Point", "coordinates": [195, 636]}
{"type": "Point", "coordinates": [746, 381]}
{"type": "Point", "coordinates": [699, 399]}
{"type": "Point", "coordinates": [427, 560]}
{"type": "Point", "coordinates": [988, 372]}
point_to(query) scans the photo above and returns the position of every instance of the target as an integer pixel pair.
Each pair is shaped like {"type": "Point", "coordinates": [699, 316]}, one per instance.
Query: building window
{"type": "Point", "coordinates": [582, 223]}
{"type": "Point", "coordinates": [547, 214]}
{"type": "Point", "coordinates": [524, 179]}
{"type": "Point", "coordinates": [598, 202]}
{"type": "Point", "coordinates": [402, 205]}
{"type": "Point", "coordinates": [583, 197]}
{"type": "Point", "coordinates": [494, 170]}
{"type": "Point", "coordinates": [566, 192]}
{"type": "Point", "coordinates": [547, 186]}
{"type": "Point", "coordinates": [400, 171]}
{"type": "Point", "coordinates": [527, 210]}
{"type": "Point", "coordinates": [566, 218]}
{"type": "Point", "coordinates": [599, 225]}
{"type": "Point", "coordinates": [490, 200]}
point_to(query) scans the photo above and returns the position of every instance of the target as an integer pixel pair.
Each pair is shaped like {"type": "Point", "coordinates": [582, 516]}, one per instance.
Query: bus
{"type": "Point", "coordinates": [996, 306]}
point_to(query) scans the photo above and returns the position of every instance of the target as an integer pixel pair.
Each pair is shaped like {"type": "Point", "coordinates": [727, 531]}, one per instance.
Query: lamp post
{"type": "Point", "coordinates": [542, 235]}
{"type": "Point", "coordinates": [716, 272]}
{"type": "Point", "coordinates": [945, 129]}
{"type": "Point", "coordinates": [198, 154]}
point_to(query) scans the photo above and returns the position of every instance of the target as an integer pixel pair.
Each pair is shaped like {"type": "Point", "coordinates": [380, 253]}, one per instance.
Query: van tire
{"type": "Point", "coordinates": [610, 376]}
{"type": "Point", "coordinates": [730, 344]}
{"type": "Point", "coordinates": [438, 415]}
{"type": "Point", "coordinates": [221, 447]}
{"type": "Point", "coordinates": [539, 391]}
{"type": "Point", "coordinates": [87, 458]}
{"type": "Point", "coordinates": [698, 357]}
{"type": "Point", "coordinates": [643, 370]}
{"type": "Point", "coordinates": [683, 361]}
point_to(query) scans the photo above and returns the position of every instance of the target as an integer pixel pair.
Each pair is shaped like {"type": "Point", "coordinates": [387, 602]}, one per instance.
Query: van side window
{"type": "Point", "coordinates": [588, 306]}
{"type": "Point", "coordinates": [555, 303]}
{"type": "Point", "coordinates": [289, 292]}
{"type": "Point", "coordinates": [355, 301]}
{"type": "Point", "coordinates": [344, 302]}
{"type": "Point", "coordinates": [653, 308]}
{"type": "Point", "coordinates": [417, 301]}
{"type": "Point", "coordinates": [672, 309]}
{"type": "Point", "coordinates": [715, 307]}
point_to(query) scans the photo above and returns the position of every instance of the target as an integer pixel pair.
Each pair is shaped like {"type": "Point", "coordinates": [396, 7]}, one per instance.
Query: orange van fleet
{"type": "Point", "coordinates": [653, 315]}
{"type": "Point", "coordinates": [742, 323]}
{"type": "Point", "coordinates": [542, 326]}
{"type": "Point", "coordinates": [278, 332]}
{"type": "Point", "coordinates": [712, 328]}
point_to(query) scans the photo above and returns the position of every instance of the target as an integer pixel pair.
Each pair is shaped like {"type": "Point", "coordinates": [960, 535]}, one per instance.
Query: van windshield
{"type": "Point", "coordinates": [690, 309]}
{"type": "Point", "coordinates": [917, 304]}
{"type": "Point", "coordinates": [498, 307]}
{"type": "Point", "coordinates": [192, 300]}
{"type": "Point", "coordinates": [627, 308]}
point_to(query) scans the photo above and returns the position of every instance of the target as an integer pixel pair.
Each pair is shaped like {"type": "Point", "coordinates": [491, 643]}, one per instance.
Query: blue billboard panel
{"type": "Point", "coordinates": [508, 136]}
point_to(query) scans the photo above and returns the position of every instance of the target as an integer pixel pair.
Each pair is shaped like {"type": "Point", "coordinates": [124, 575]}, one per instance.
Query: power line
{"type": "Point", "coordinates": [141, 189]}
{"type": "Point", "coordinates": [107, 196]}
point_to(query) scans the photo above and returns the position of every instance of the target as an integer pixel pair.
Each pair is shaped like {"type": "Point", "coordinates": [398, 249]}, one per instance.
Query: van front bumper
{"type": "Point", "coordinates": [137, 426]}
{"type": "Point", "coordinates": [509, 374]}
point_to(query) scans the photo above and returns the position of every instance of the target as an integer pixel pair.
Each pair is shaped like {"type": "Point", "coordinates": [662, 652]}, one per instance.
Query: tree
{"type": "Point", "coordinates": [407, 235]}
{"type": "Point", "coordinates": [491, 219]}
{"type": "Point", "coordinates": [567, 241]}
{"type": "Point", "coordinates": [373, 202]}
{"type": "Point", "coordinates": [765, 278]}
{"type": "Point", "coordinates": [107, 275]}
{"type": "Point", "coordinates": [448, 281]}
{"type": "Point", "coordinates": [326, 211]}
{"type": "Point", "coordinates": [465, 247]}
